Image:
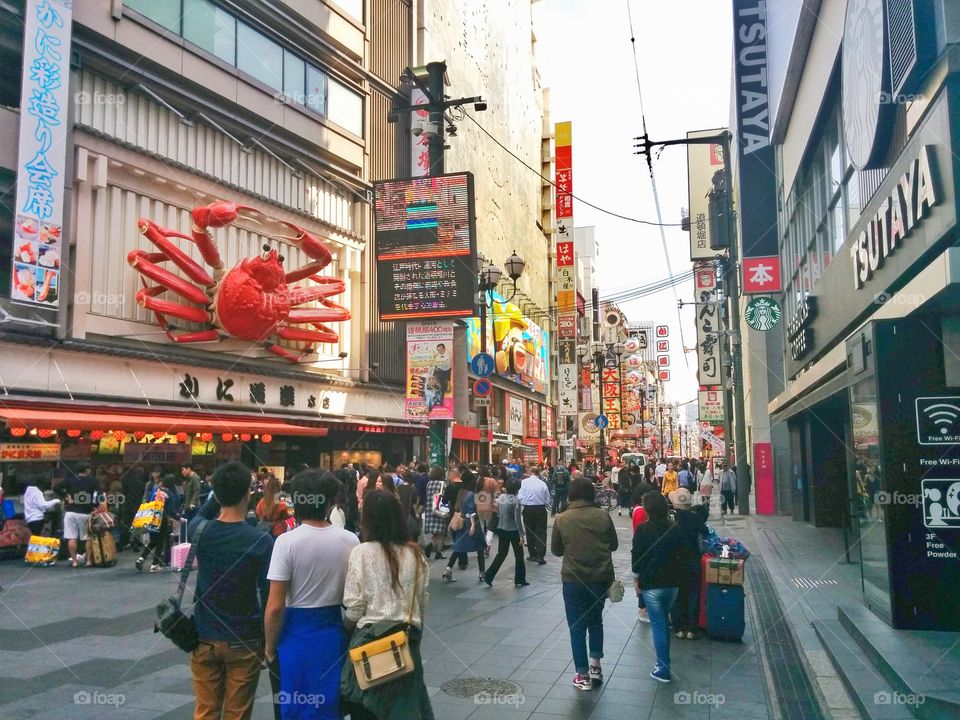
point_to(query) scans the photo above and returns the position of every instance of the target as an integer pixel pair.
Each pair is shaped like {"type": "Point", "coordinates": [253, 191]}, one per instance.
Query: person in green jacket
{"type": "Point", "coordinates": [584, 536]}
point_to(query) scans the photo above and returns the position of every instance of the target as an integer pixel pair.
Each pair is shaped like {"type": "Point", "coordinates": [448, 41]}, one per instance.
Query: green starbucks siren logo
{"type": "Point", "coordinates": [763, 313]}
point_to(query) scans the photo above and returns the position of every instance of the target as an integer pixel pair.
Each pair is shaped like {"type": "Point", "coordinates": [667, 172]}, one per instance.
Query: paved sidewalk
{"type": "Point", "coordinates": [79, 644]}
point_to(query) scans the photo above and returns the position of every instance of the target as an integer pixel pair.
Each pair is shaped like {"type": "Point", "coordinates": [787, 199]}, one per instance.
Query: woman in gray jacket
{"type": "Point", "coordinates": [509, 532]}
{"type": "Point", "coordinates": [585, 537]}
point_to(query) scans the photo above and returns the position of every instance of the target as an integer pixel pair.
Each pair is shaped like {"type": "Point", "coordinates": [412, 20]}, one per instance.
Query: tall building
{"type": "Point", "coordinates": [863, 131]}
{"type": "Point", "coordinates": [165, 108]}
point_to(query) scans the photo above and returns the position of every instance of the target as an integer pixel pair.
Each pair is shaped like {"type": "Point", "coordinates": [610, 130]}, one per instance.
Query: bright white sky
{"type": "Point", "coordinates": [585, 58]}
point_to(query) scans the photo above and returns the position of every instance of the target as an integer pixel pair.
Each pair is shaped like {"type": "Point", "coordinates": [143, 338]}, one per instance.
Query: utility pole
{"type": "Point", "coordinates": [435, 74]}
{"type": "Point", "coordinates": [732, 289]}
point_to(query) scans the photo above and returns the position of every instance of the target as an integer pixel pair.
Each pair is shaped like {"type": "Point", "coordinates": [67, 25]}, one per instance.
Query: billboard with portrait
{"type": "Point", "coordinates": [429, 394]}
{"type": "Point", "coordinates": [426, 247]}
{"type": "Point", "coordinates": [520, 346]}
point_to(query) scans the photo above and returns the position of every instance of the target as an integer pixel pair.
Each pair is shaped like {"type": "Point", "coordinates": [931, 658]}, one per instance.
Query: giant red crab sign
{"type": "Point", "coordinates": [250, 301]}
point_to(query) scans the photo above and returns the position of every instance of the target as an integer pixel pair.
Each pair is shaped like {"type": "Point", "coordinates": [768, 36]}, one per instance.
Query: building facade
{"type": "Point", "coordinates": [172, 107]}
{"type": "Point", "coordinates": [864, 125]}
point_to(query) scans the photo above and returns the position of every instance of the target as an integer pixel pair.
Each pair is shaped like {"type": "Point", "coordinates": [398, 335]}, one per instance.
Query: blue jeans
{"type": "Point", "coordinates": [583, 603]}
{"type": "Point", "coordinates": [659, 602]}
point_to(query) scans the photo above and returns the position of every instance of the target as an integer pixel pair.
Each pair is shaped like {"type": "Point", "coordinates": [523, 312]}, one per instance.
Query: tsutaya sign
{"type": "Point", "coordinates": [909, 202]}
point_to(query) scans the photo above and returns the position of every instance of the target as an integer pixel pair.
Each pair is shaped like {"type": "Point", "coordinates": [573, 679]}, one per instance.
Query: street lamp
{"type": "Point", "coordinates": [488, 279]}
{"type": "Point", "coordinates": [602, 356]}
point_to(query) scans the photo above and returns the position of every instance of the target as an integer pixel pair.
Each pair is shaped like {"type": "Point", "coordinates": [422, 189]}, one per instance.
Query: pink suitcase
{"type": "Point", "coordinates": [178, 557]}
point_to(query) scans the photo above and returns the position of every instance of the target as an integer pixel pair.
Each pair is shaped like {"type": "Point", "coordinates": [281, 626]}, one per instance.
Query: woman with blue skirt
{"type": "Point", "coordinates": [303, 623]}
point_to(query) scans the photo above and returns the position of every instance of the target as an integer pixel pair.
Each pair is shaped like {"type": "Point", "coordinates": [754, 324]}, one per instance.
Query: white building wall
{"type": "Point", "coordinates": [488, 48]}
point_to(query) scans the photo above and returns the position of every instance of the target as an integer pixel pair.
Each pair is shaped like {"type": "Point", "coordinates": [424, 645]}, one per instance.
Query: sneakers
{"type": "Point", "coordinates": [582, 682]}
{"type": "Point", "coordinates": [681, 634]}
{"type": "Point", "coordinates": [643, 615]}
{"type": "Point", "coordinates": [596, 675]}
{"type": "Point", "coordinates": [156, 568]}
{"type": "Point", "coordinates": [661, 675]}
{"type": "Point", "coordinates": [139, 564]}
{"type": "Point", "coordinates": [448, 575]}
{"type": "Point", "coordinates": [691, 635]}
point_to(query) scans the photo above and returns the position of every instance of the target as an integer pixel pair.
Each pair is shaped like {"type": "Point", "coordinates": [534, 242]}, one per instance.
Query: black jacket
{"type": "Point", "coordinates": [658, 560]}
{"type": "Point", "coordinates": [694, 527]}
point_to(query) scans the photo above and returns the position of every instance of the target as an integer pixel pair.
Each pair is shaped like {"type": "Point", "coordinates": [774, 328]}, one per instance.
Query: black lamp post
{"type": "Point", "coordinates": [489, 278]}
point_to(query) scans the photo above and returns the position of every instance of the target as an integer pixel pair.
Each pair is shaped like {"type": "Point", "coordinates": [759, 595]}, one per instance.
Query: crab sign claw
{"type": "Point", "coordinates": [311, 245]}
{"type": "Point", "coordinates": [221, 214]}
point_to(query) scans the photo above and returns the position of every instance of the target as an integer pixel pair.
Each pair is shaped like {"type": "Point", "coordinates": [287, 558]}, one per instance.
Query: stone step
{"type": "Point", "coordinates": [874, 697]}
{"type": "Point", "coordinates": [923, 667]}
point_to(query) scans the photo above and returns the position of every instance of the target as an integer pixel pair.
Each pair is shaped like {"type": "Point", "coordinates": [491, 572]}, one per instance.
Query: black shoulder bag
{"type": "Point", "coordinates": [175, 626]}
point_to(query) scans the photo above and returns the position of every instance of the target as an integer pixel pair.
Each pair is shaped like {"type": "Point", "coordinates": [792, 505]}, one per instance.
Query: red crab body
{"type": "Point", "coordinates": [252, 301]}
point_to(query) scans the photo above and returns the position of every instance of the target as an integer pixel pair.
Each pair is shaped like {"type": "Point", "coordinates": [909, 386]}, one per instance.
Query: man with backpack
{"type": "Point", "coordinates": [685, 478]}
{"type": "Point", "coordinates": [561, 486]}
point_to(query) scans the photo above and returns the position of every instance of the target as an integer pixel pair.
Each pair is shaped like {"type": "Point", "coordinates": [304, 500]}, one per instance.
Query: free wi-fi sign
{"type": "Point", "coordinates": [938, 420]}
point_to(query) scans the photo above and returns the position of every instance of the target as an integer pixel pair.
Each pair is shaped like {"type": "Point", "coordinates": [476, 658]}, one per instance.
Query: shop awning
{"type": "Point", "coordinates": [149, 420]}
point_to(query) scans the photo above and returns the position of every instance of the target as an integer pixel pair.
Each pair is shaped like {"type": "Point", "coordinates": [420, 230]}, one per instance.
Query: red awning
{"type": "Point", "coordinates": [114, 418]}
{"type": "Point", "coordinates": [464, 432]}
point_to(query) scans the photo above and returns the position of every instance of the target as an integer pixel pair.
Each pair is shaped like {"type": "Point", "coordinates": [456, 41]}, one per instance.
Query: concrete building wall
{"type": "Point", "coordinates": [489, 51]}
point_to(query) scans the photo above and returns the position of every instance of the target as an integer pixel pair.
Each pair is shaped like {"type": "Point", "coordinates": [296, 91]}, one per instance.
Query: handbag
{"type": "Point", "coordinates": [440, 508]}
{"type": "Point", "coordinates": [149, 515]}
{"type": "Point", "coordinates": [615, 591]}
{"type": "Point", "coordinates": [388, 657]}
{"type": "Point", "coordinates": [180, 629]}
{"type": "Point", "coordinates": [101, 520]}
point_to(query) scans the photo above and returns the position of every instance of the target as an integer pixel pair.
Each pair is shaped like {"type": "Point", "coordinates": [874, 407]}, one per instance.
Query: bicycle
{"type": "Point", "coordinates": [606, 498]}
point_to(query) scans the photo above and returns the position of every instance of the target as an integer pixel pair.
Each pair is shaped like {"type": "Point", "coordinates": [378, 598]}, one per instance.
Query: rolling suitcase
{"type": "Point", "coordinates": [180, 551]}
{"type": "Point", "coordinates": [725, 612]}
{"type": "Point", "coordinates": [103, 550]}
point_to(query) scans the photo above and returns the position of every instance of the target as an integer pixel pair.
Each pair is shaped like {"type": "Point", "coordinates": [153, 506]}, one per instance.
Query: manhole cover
{"type": "Point", "coordinates": [488, 687]}
{"type": "Point", "coordinates": [810, 583]}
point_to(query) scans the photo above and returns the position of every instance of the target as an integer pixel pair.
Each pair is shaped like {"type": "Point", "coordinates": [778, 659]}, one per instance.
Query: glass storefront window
{"type": "Point", "coordinates": [165, 13]}
{"type": "Point", "coordinates": [865, 482]}
{"type": "Point", "coordinates": [344, 107]}
{"type": "Point", "coordinates": [210, 28]}
{"type": "Point", "coordinates": [259, 56]}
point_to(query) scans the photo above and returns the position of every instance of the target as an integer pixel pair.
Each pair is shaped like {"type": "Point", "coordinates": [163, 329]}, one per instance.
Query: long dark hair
{"type": "Point", "coordinates": [383, 521]}
{"type": "Point", "coordinates": [658, 511]}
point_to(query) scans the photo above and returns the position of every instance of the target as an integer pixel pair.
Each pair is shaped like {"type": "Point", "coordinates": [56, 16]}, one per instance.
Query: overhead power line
{"type": "Point", "coordinates": [553, 184]}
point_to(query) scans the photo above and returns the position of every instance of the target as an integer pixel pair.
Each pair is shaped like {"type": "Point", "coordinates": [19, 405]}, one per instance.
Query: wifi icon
{"type": "Point", "coordinates": [943, 415]}
{"type": "Point", "coordinates": [937, 420]}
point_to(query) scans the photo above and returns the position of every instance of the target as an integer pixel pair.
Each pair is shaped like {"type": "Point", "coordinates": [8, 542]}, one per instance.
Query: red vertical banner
{"type": "Point", "coordinates": [763, 478]}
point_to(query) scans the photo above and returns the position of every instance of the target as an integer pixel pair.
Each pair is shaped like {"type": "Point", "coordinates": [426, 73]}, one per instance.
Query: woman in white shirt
{"type": "Point", "coordinates": [36, 505]}
{"type": "Point", "coordinates": [303, 624]}
{"type": "Point", "coordinates": [386, 587]}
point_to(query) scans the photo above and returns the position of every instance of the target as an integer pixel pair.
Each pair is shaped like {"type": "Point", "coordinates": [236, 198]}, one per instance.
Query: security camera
{"type": "Point", "coordinates": [417, 130]}
{"type": "Point", "coordinates": [343, 354]}
{"type": "Point", "coordinates": [374, 366]}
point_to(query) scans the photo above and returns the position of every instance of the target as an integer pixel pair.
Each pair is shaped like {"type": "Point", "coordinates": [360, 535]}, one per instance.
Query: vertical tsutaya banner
{"type": "Point", "coordinates": [429, 371]}
{"type": "Point", "coordinates": [703, 161]}
{"type": "Point", "coordinates": [757, 207]}
{"type": "Point", "coordinates": [708, 324]}
{"type": "Point", "coordinates": [566, 284]}
{"type": "Point", "coordinates": [41, 162]}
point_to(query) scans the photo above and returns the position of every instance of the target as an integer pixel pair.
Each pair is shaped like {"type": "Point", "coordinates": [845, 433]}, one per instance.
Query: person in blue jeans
{"type": "Point", "coordinates": [585, 537]}
{"type": "Point", "coordinates": [657, 559]}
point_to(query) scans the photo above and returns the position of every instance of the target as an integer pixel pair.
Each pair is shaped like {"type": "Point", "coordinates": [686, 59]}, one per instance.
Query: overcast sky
{"type": "Point", "coordinates": [585, 58]}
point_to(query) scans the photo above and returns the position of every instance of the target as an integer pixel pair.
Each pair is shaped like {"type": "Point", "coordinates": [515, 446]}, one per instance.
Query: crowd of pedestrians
{"type": "Point", "coordinates": [293, 575]}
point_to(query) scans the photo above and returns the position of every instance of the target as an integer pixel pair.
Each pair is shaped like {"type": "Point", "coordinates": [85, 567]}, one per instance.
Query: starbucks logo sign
{"type": "Point", "coordinates": [763, 313]}
{"type": "Point", "coordinates": [866, 115]}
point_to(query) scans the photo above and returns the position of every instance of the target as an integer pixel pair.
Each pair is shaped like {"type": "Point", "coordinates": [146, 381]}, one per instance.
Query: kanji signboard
{"type": "Point", "coordinates": [761, 275]}
{"type": "Point", "coordinates": [566, 285]}
{"type": "Point", "coordinates": [708, 325]}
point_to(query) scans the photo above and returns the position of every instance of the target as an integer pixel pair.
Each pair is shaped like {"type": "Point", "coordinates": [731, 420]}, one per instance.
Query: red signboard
{"type": "Point", "coordinates": [564, 157]}
{"type": "Point", "coordinates": [548, 422]}
{"type": "Point", "coordinates": [663, 375]}
{"type": "Point", "coordinates": [663, 331]}
{"type": "Point", "coordinates": [763, 477]}
{"type": "Point", "coordinates": [761, 274]}
{"type": "Point", "coordinates": [564, 254]}
{"type": "Point", "coordinates": [564, 180]}
{"type": "Point", "coordinates": [564, 206]}
{"type": "Point", "coordinates": [663, 360]}
{"type": "Point", "coordinates": [663, 346]}
{"type": "Point", "coordinates": [533, 419]}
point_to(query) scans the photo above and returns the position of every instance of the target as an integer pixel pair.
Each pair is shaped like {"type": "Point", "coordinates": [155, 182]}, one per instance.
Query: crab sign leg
{"type": "Point", "coordinates": [327, 287]}
{"type": "Point", "coordinates": [328, 312]}
{"type": "Point", "coordinates": [146, 264]}
{"type": "Point", "coordinates": [322, 334]}
{"type": "Point", "coordinates": [286, 354]}
{"type": "Point", "coordinates": [312, 246]}
{"type": "Point", "coordinates": [147, 298]}
{"type": "Point", "coordinates": [158, 236]}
